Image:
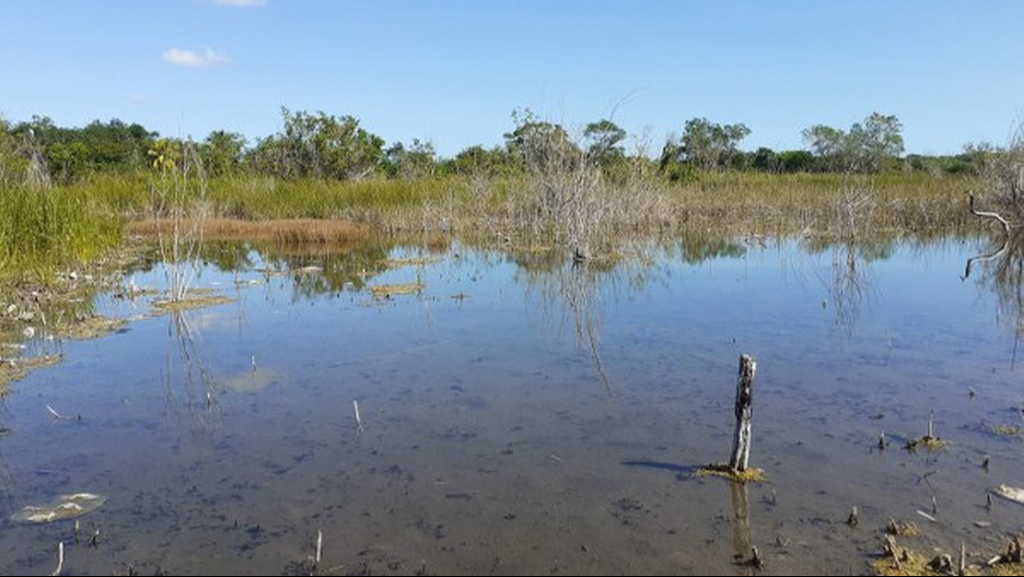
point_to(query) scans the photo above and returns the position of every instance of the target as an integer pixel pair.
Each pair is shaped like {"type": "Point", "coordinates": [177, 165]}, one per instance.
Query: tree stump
{"type": "Point", "coordinates": [744, 414]}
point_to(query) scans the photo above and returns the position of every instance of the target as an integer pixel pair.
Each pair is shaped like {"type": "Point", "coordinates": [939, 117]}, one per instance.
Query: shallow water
{"type": "Point", "coordinates": [524, 416]}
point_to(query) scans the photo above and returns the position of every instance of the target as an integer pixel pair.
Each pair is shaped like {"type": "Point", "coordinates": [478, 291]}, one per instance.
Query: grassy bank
{"type": "Point", "coordinates": [42, 230]}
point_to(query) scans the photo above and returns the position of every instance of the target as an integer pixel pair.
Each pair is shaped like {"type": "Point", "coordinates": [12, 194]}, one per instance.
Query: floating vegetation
{"type": "Point", "coordinates": [384, 291]}
{"type": "Point", "coordinates": [409, 261]}
{"type": "Point", "coordinates": [1007, 430]}
{"type": "Point", "coordinates": [751, 475]}
{"type": "Point", "coordinates": [91, 327]}
{"type": "Point", "coordinates": [16, 369]}
{"type": "Point", "coordinates": [927, 442]}
{"type": "Point", "coordinates": [63, 507]}
{"type": "Point", "coordinates": [930, 441]}
{"type": "Point", "coordinates": [197, 301]}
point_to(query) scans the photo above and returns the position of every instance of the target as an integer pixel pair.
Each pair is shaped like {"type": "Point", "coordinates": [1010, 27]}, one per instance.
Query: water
{"type": "Point", "coordinates": [525, 416]}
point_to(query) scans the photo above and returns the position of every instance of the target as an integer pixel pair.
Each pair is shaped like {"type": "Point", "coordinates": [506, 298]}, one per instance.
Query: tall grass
{"type": "Point", "coordinates": [825, 203]}
{"type": "Point", "coordinates": [43, 229]}
{"type": "Point", "coordinates": [639, 202]}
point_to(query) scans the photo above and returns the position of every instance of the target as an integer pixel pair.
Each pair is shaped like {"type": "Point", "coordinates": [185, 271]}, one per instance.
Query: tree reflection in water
{"type": "Point", "coordinates": [1000, 269]}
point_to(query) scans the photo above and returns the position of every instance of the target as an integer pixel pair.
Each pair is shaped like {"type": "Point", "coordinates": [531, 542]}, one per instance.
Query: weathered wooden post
{"type": "Point", "coordinates": [744, 414]}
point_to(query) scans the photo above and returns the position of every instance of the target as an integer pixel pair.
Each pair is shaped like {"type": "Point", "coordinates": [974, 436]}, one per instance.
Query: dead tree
{"type": "Point", "coordinates": [744, 414]}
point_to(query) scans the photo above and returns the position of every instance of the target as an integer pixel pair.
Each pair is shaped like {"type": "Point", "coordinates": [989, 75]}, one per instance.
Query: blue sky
{"type": "Point", "coordinates": [451, 72]}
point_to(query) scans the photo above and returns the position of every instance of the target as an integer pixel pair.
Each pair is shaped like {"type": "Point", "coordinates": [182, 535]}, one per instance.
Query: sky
{"type": "Point", "coordinates": [451, 72]}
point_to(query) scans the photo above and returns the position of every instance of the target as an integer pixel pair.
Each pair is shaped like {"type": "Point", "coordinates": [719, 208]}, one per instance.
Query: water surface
{"type": "Point", "coordinates": [522, 415]}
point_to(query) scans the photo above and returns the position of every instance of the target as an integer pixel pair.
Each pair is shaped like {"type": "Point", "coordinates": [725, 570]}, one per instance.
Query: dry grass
{"type": "Point", "coordinates": [410, 261]}
{"type": "Point", "coordinates": [296, 231]}
{"type": "Point", "coordinates": [821, 203]}
{"type": "Point", "coordinates": [193, 300]}
{"type": "Point", "coordinates": [1008, 569]}
{"type": "Point", "coordinates": [927, 442]}
{"type": "Point", "coordinates": [1007, 430]}
{"type": "Point", "coordinates": [91, 327]}
{"type": "Point", "coordinates": [390, 290]}
{"type": "Point", "coordinates": [909, 563]}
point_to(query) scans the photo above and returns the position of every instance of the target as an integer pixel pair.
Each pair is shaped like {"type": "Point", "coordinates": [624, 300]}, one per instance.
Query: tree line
{"type": "Point", "coordinates": [324, 146]}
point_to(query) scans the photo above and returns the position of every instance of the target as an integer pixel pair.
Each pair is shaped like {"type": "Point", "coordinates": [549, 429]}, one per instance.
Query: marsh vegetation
{"type": "Point", "coordinates": [68, 192]}
{"type": "Point", "coordinates": [522, 332]}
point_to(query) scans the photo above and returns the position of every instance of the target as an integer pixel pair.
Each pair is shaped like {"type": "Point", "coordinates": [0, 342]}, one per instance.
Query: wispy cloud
{"type": "Point", "coordinates": [136, 98]}
{"type": "Point", "coordinates": [192, 59]}
{"type": "Point", "coordinates": [242, 3]}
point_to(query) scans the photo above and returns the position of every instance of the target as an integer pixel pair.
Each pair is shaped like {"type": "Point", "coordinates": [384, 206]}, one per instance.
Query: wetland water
{"type": "Point", "coordinates": [526, 417]}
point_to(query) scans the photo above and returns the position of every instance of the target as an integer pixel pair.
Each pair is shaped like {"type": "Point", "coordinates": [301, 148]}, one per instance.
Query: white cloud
{"type": "Point", "coordinates": [242, 3]}
{"type": "Point", "coordinates": [192, 59]}
{"type": "Point", "coordinates": [136, 98]}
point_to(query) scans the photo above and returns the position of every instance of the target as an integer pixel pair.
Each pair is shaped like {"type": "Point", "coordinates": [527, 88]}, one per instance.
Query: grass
{"type": "Point", "coordinates": [751, 475]}
{"type": "Point", "coordinates": [785, 203]}
{"type": "Point", "coordinates": [910, 563]}
{"type": "Point", "coordinates": [14, 370]}
{"type": "Point", "coordinates": [44, 230]}
{"type": "Point", "coordinates": [389, 290]}
{"type": "Point", "coordinates": [1007, 430]}
{"type": "Point", "coordinates": [195, 299]}
{"type": "Point", "coordinates": [282, 232]}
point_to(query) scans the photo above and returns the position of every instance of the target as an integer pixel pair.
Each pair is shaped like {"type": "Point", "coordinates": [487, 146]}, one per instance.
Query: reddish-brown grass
{"type": "Point", "coordinates": [296, 231]}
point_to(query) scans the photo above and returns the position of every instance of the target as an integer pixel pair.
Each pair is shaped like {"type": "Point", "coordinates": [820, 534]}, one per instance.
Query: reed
{"type": "Point", "coordinates": [43, 229]}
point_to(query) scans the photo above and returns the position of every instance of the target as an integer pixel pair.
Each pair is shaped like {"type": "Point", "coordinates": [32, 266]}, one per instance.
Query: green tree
{"type": "Point", "coordinates": [706, 145]}
{"type": "Point", "coordinates": [765, 159]}
{"type": "Point", "coordinates": [870, 146]}
{"type": "Point", "coordinates": [417, 161]}
{"type": "Point", "coordinates": [538, 143]}
{"type": "Point", "coordinates": [222, 153]}
{"type": "Point", "coordinates": [878, 141]}
{"type": "Point", "coordinates": [320, 146]}
{"type": "Point", "coordinates": [604, 139]}
{"type": "Point", "coordinates": [796, 161]}
{"type": "Point", "coordinates": [479, 161]}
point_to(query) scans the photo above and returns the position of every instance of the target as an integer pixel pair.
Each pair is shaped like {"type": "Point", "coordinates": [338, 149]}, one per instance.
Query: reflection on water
{"type": "Point", "coordinates": [223, 437]}
{"type": "Point", "coordinates": [188, 385]}
{"type": "Point", "coordinates": [1002, 272]}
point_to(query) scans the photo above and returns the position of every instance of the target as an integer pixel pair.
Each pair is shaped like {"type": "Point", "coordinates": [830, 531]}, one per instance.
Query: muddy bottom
{"type": "Point", "coordinates": [521, 419]}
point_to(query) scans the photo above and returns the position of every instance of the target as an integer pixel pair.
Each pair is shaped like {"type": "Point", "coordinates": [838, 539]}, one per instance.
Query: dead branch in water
{"type": "Point", "coordinates": [986, 214]}
{"type": "Point", "coordinates": [984, 257]}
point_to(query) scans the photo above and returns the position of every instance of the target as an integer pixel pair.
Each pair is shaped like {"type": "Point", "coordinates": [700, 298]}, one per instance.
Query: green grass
{"type": "Point", "coordinates": [261, 198]}
{"type": "Point", "coordinates": [43, 230]}
{"type": "Point", "coordinates": [780, 203]}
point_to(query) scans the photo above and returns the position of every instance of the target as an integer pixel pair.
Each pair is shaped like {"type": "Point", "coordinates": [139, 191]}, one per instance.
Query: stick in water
{"type": "Point", "coordinates": [319, 545]}
{"type": "Point", "coordinates": [54, 412]}
{"type": "Point", "coordinates": [60, 560]}
{"type": "Point", "coordinates": [359, 420]}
